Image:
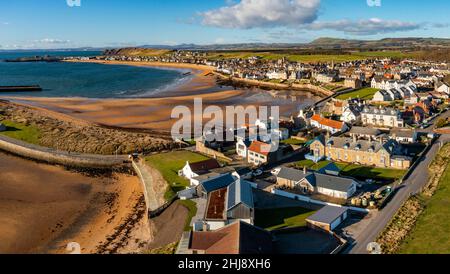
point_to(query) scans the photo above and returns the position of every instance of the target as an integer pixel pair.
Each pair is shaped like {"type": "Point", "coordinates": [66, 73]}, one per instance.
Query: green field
{"type": "Point", "coordinates": [272, 219]}
{"type": "Point", "coordinates": [357, 171]}
{"type": "Point", "coordinates": [431, 234]}
{"type": "Point", "coordinates": [308, 58]}
{"type": "Point", "coordinates": [364, 93]}
{"type": "Point", "coordinates": [29, 134]}
{"type": "Point", "coordinates": [169, 164]}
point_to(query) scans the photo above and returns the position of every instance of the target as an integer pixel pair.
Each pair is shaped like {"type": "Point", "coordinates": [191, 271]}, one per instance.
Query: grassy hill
{"type": "Point", "coordinates": [138, 52]}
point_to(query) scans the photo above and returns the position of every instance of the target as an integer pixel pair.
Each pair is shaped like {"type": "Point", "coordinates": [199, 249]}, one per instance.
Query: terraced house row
{"type": "Point", "coordinates": [383, 154]}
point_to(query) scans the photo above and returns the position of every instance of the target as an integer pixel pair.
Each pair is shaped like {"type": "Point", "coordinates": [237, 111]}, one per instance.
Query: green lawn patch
{"type": "Point", "coordinates": [192, 208]}
{"type": "Point", "coordinates": [169, 164]}
{"type": "Point", "coordinates": [357, 171]}
{"type": "Point", "coordinates": [364, 93]}
{"type": "Point", "coordinates": [29, 134]}
{"type": "Point", "coordinates": [272, 219]}
{"type": "Point", "coordinates": [294, 142]}
{"type": "Point", "coordinates": [431, 235]}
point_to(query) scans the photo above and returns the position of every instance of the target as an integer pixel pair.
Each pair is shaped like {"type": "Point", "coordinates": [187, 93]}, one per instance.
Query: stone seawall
{"type": "Point", "coordinates": [52, 156]}
{"type": "Point", "coordinates": [316, 89]}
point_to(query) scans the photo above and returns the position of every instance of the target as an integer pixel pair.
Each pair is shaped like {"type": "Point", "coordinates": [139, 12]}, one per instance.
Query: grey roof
{"type": "Point", "coordinates": [365, 131]}
{"type": "Point", "coordinates": [403, 133]}
{"type": "Point", "coordinates": [218, 183]}
{"type": "Point", "coordinates": [330, 168]}
{"type": "Point", "coordinates": [291, 174]}
{"type": "Point", "coordinates": [239, 192]}
{"type": "Point", "coordinates": [330, 182]}
{"type": "Point", "coordinates": [328, 214]}
{"type": "Point", "coordinates": [385, 111]}
{"type": "Point", "coordinates": [362, 145]}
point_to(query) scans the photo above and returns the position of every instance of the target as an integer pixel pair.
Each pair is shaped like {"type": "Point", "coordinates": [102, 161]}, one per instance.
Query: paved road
{"type": "Point", "coordinates": [415, 182]}
{"type": "Point", "coordinates": [147, 182]}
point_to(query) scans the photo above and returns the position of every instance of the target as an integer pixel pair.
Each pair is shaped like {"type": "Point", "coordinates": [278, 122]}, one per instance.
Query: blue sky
{"type": "Point", "coordinates": [113, 23]}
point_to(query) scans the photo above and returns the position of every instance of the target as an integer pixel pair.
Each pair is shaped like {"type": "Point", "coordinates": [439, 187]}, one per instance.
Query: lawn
{"type": "Point", "coordinates": [364, 93]}
{"type": "Point", "coordinates": [357, 171]}
{"type": "Point", "coordinates": [169, 164]}
{"type": "Point", "coordinates": [272, 219]}
{"type": "Point", "coordinates": [431, 234]}
{"type": "Point", "coordinates": [29, 134]}
{"type": "Point", "coordinates": [294, 142]}
{"type": "Point", "coordinates": [192, 208]}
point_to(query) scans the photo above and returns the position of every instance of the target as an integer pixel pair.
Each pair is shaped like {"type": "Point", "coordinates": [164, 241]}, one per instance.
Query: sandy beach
{"type": "Point", "coordinates": [155, 113]}
{"type": "Point", "coordinates": [43, 208]}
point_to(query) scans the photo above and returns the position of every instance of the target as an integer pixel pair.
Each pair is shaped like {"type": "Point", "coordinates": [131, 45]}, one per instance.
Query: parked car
{"type": "Point", "coordinates": [257, 173]}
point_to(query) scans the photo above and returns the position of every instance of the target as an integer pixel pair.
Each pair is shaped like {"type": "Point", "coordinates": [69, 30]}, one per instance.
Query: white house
{"type": "Point", "coordinates": [350, 115]}
{"type": "Point", "coordinates": [193, 170]}
{"type": "Point", "coordinates": [444, 88]}
{"type": "Point", "coordinates": [328, 124]}
{"type": "Point", "coordinates": [242, 146]}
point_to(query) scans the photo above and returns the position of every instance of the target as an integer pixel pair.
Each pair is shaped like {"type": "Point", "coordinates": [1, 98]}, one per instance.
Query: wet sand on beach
{"type": "Point", "coordinates": [155, 113]}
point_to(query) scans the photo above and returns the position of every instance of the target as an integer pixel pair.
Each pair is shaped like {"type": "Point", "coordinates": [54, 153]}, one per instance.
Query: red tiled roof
{"type": "Point", "coordinates": [205, 165]}
{"type": "Point", "coordinates": [327, 122]}
{"type": "Point", "coordinates": [237, 238]}
{"type": "Point", "coordinates": [260, 148]}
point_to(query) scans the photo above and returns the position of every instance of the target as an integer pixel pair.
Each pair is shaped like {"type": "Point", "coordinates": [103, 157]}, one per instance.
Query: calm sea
{"type": "Point", "coordinates": [85, 80]}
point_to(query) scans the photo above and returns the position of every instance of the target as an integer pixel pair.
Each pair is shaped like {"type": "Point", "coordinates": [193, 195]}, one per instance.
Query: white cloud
{"type": "Point", "coordinates": [263, 13]}
{"type": "Point", "coordinates": [366, 26]}
{"type": "Point", "coordinates": [52, 41]}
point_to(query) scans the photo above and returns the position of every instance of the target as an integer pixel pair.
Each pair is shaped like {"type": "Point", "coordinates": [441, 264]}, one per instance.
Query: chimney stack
{"type": "Point", "coordinates": [304, 170]}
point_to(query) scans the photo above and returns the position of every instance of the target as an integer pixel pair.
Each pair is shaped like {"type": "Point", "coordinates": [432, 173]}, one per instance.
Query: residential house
{"type": "Point", "coordinates": [234, 239]}
{"type": "Point", "coordinates": [351, 115]}
{"type": "Point", "coordinates": [230, 204]}
{"type": "Point", "coordinates": [191, 170]}
{"type": "Point", "coordinates": [328, 218]}
{"type": "Point", "coordinates": [353, 83]}
{"type": "Point", "coordinates": [329, 125]}
{"type": "Point", "coordinates": [212, 184]}
{"type": "Point", "coordinates": [2, 127]}
{"type": "Point", "coordinates": [327, 77]}
{"type": "Point", "coordinates": [404, 136]}
{"type": "Point", "coordinates": [317, 183]}
{"type": "Point", "coordinates": [383, 154]}
{"type": "Point", "coordinates": [242, 146]}
{"type": "Point", "coordinates": [444, 88]}
{"type": "Point", "coordinates": [367, 133]}
{"type": "Point", "coordinates": [381, 117]}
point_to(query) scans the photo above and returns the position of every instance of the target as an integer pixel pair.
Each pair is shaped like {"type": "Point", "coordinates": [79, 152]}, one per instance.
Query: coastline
{"type": "Point", "coordinates": [200, 74]}
{"type": "Point", "coordinates": [154, 112]}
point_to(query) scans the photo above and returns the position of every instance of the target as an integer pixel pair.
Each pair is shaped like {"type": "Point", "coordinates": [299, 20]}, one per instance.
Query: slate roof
{"type": "Point", "coordinates": [337, 183]}
{"type": "Point", "coordinates": [365, 131]}
{"type": "Point", "coordinates": [362, 145]}
{"type": "Point", "coordinates": [330, 168]}
{"type": "Point", "coordinates": [204, 166]}
{"type": "Point", "coordinates": [218, 183]}
{"type": "Point", "coordinates": [327, 214]}
{"type": "Point", "coordinates": [240, 192]}
{"type": "Point", "coordinates": [291, 174]}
